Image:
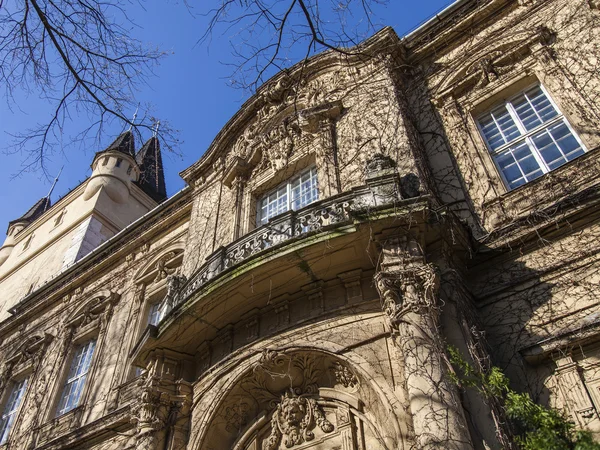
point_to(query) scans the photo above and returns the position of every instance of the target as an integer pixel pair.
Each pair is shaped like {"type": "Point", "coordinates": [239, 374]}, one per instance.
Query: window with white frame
{"type": "Point", "coordinates": [297, 192]}
{"type": "Point", "coordinates": [528, 136]}
{"type": "Point", "coordinates": [80, 366]}
{"type": "Point", "coordinates": [155, 313]}
{"type": "Point", "coordinates": [11, 408]}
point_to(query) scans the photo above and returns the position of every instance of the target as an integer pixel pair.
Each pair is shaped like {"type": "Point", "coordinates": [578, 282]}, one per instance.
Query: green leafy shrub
{"type": "Point", "coordinates": [536, 427]}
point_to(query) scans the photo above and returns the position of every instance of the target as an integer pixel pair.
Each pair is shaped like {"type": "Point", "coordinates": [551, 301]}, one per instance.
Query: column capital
{"type": "Point", "coordinates": [406, 290]}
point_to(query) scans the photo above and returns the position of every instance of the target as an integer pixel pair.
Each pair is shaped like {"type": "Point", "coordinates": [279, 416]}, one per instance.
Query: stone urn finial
{"type": "Point", "coordinates": [379, 164]}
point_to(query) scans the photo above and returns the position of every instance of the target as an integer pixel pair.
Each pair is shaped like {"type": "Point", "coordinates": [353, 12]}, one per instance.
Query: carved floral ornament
{"type": "Point", "coordinates": [407, 290]}
{"type": "Point", "coordinates": [98, 308]}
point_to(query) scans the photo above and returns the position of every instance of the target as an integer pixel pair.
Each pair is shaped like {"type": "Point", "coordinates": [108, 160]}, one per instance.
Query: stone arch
{"type": "Point", "coordinates": [303, 397]}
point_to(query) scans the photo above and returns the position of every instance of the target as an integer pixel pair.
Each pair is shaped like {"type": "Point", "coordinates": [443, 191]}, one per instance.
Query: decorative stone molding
{"type": "Point", "coordinates": [574, 392]}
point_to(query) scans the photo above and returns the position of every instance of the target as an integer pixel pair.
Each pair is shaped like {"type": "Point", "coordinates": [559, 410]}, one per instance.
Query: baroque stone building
{"type": "Point", "coordinates": [359, 214]}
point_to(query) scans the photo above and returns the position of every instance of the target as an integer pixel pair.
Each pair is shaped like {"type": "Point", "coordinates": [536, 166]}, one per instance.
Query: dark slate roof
{"type": "Point", "coordinates": [125, 143]}
{"type": "Point", "coordinates": [40, 207]}
{"type": "Point", "coordinates": [152, 175]}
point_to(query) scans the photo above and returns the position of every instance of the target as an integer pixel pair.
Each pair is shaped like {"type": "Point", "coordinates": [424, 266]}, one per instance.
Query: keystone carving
{"type": "Point", "coordinates": [293, 422]}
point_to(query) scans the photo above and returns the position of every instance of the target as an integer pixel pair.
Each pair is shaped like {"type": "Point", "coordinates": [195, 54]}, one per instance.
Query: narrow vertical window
{"type": "Point", "coordinates": [295, 193]}
{"type": "Point", "coordinates": [118, 163]}
{"type": "Point", "coordinates": [527, 137]}
{"type": "Point", "coordinates": [11, 408]}
{"type": "Point", "coordinates": [80, 366]}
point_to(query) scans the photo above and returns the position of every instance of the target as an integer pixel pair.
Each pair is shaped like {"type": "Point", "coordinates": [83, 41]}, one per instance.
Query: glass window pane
{"type": "Point", "coordinates": [498, 128]}
{"type": "Point", "coordinates": [303, 190]}
{"type": "Point", "coordinates": [77, 375]}
{"type": "Point", "coordinates": [10, 409]}
{"type": "Point", "coordinates": [566, 141]}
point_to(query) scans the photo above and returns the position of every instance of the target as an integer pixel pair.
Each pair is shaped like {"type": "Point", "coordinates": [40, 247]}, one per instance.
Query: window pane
{"type": "Point", "coordinates": [154, 315]}
{"type": "Point", "coordinates": [11, 408]}
{"type": "Point", "coordinates": [303, 190]}
{"type": "Point", "coordinates": [518, 165]}
{"type": "Point", "coordinates": [499, 128]}
{"type": "Point", "coordinates": [76, 377]}
{"type": "Point", "coordinates": [566, 141]}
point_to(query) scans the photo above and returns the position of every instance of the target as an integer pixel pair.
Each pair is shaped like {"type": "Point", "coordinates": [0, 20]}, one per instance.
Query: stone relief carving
{"type": "Point", "coordinates": [161, 401]}
{"type": "Point", "coordinates": [344, 375]}
{"type": "Point", "coordinates": [293, 422]}
{"type": "Point", "coordinates": [407, 290]}
{"type": "Point", "coordinates": [162, 271]}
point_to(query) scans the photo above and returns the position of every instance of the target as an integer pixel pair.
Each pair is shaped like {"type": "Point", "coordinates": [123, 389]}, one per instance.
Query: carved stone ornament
{"type": "Point", "coordinates": [410, 290]}
{"type": "Point", "coordinates": [293, 422]}
{"type": "Point", "coordinates": [150, 413]}
{"type": "Point", "coordinates": [162, 271]}
{"type": "Point", "coordinates": [344, 375]}
{"type": "Point", "coordinates": [379, 163]}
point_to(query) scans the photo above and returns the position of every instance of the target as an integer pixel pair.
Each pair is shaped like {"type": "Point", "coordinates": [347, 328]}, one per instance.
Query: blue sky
{"type": "Point", "coordinates": [190, 88]}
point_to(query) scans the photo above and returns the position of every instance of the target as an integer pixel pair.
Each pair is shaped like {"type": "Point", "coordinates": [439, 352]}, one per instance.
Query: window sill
{"type": "Point", "coordinates": [548, 189]}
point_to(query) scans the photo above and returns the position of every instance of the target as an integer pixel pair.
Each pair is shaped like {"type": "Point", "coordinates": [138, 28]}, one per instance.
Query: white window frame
{"type": "Point", "coordinates": [525, 135]}
{"type": "Point", "coordinates": [288, 183]}
{"type": "Point", "coordinates": [11, 408]}
{"type": "Point", "coordinates": [77, 377]}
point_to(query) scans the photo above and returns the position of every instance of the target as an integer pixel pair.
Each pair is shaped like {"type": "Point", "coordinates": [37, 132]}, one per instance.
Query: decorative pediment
{"type": "Point", "coordinates": [478, 69]}
{"type": "Point", "coordinates": [161, 266]}
{"type": "Point", "coordinates": [92, 310]}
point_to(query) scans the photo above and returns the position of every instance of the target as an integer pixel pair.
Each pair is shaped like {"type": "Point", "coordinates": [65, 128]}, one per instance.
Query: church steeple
{"type": "Point", "coordinates": [152, 176]}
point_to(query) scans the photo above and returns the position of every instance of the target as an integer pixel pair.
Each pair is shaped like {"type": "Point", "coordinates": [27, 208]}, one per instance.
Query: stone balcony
{"type": "Point", "coordinates": [383, 188]}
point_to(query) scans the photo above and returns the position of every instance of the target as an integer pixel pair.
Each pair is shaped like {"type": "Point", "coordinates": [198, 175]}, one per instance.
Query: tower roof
{"type": "Point", "coordinates": [125, 143]}
{"type": "Point", "coordinates": [152, 176]}
{"type": "Point", "coordinates": [39, 208]}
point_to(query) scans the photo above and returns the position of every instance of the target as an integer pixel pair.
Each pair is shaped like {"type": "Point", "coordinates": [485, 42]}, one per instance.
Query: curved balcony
{"type": "Point", "coordinates": [382, 190]}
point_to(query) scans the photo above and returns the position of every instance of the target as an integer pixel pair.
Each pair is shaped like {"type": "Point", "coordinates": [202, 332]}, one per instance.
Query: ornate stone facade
{"type": "Point", "coordinates": [216, 321]}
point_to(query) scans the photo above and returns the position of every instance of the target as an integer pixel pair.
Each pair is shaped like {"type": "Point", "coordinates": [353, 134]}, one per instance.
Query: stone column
{"type": "Point", "coordinates": [161, 413]}
{"type": "Point", "coordinates": [408, 288]}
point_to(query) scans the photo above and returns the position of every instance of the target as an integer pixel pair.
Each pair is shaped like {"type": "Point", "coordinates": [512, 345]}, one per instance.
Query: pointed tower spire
{"type": "Point", "coordinates": [152, 176]}
{"type": "Point", "coordinates": [54, 183]}
{"type": "Point", "coordinates": [125, 143]}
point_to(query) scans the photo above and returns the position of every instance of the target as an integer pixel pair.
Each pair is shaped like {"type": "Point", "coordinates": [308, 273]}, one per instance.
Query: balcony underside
{"type": "Point", "coordinates": [304, 274]}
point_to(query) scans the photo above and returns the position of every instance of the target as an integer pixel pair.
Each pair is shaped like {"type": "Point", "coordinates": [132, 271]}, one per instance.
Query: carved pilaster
{"type": "Point", "coordinates": [574, 392]}
{"type": "Point", "coordinates": [163, 403]}
{"type": "Point", "coordinates": [409, 289]}
{"type": "Point", "coordinates": [238, 185]}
